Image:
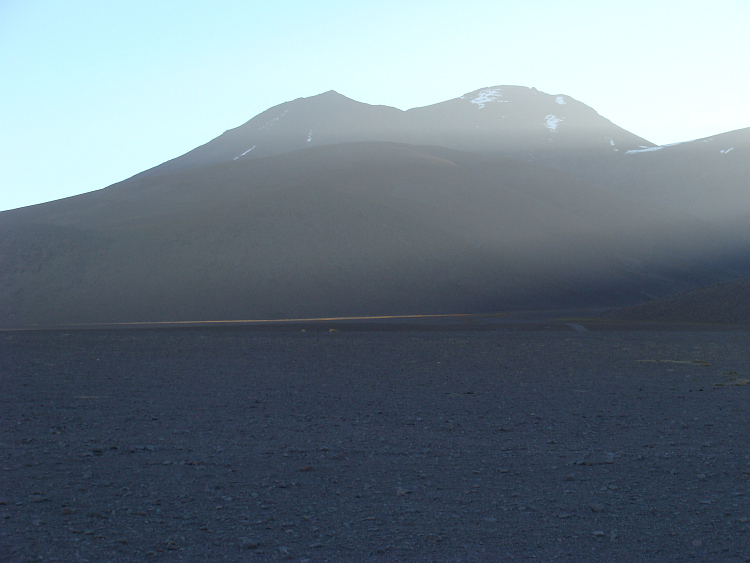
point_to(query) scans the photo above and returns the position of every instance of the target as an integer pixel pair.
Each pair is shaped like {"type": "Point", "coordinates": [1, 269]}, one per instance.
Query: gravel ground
{"type": "Point", "coordinates": [244, 445]}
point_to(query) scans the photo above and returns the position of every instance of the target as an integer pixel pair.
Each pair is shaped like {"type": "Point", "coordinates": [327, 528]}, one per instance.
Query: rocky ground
{"type": "Point", "coordinates": [496, 445]}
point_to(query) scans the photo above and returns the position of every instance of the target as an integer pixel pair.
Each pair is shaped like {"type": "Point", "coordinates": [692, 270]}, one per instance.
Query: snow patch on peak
{"type": "Point", "coordinates": [727, 151]}
{"type": "Point", "coordinates": [486, 96]}
{"type": "Point", "coordinates": [560, 100]}
{"type": "Point", "coordinates": [309, 136]}
{"type": "Point", "coordinates": [552, 122]}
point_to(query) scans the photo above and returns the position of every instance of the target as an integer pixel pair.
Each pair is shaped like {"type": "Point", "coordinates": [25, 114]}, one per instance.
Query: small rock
{"type": "Point", "coordinates": [596, 507]}
{"type": "Point", "coordinates": [598, 534]}
{"type": "Point", "coordinates": [249, 543]}
{"type": "Point", "coordinates": [697, 543]}
{"type": "Point", "coordinates": [307, 468]}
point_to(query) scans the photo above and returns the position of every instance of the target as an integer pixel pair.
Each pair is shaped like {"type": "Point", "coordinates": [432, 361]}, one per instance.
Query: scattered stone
{"type": "Point", "coordinates": [598, 534]}
{"type": "Point", "coordinates": [697, 543]}
{"type": "Point", "coordinates": [249, 543]}
{"type": "Point", "coordinates": [596, 507]}
{"type": "Point", "coordinates": [307, 468]}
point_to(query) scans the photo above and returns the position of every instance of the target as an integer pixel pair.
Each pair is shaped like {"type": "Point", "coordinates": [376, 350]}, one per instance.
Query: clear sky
{"type": "Point", "coordinates": [92, 91]}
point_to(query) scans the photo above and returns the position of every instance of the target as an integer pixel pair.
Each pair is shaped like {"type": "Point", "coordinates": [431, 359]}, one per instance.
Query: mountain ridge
{"type": "Point", "coordinates": [309, 209]}
{"type": "Point", "coordinates": [530, 128]}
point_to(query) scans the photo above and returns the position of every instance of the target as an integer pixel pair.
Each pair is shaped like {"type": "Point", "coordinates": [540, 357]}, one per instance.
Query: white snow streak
{"type": "Point", "coordinates": [727, 151]}
{"type": "Point", "coordinates": [309, 136]}
{"type": "Point", "coordinates": [274, 120]}
{"type": "Point", "coordinates": [560, 100]}
{"type": "Point", "coordinates": [552, 122]}
{"type": "Point", "coordinates": [244, 153]}
{"type": "Point", "coordinates": [645, 150]}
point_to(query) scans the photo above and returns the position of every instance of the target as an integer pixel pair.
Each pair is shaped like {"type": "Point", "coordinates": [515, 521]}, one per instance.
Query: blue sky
{"type": "Point", "coordinates": [93, 92]}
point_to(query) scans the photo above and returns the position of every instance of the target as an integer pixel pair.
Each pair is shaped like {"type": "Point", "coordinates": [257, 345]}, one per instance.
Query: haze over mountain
{"type": "Point", "coordinates": [325, 206]}
{"type": "Point", "coordinates": [708, 178]}
{"type": "Point", "coordinates": [508, 120]}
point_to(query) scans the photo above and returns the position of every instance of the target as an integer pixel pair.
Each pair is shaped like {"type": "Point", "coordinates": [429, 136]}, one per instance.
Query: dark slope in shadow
{"type": "Point", "coordinates": [355, 229]}
{"type": "Point", "coordinates": [722, 303]}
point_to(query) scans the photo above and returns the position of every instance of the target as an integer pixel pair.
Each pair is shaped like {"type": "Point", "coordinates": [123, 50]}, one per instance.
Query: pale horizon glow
{"type": "Point", "coordinates": [95, 92]}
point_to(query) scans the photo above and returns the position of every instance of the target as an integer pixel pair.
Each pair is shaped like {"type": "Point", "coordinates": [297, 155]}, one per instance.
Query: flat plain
{"type": "Point", "coordinates": [253, 444]}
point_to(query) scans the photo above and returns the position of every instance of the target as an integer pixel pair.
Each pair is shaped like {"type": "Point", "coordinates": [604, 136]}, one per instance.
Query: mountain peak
{"type": "Point", "coordinates": [512, 120]}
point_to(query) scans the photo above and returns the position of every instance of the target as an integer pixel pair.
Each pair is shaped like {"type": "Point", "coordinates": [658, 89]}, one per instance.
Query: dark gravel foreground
{"type": "Point", "coordinates": [241, 445]}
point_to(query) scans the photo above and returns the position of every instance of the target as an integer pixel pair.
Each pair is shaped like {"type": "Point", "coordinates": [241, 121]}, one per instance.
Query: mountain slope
{"type": "Point", "coordinates": [708, 178]}
{"type": "Point", "coordinates": [359, 228]}
{"type": "Point", "coordinates": [723, 303]}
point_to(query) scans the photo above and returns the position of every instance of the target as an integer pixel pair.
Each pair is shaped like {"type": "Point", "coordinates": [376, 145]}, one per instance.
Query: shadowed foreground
{"type": "Point", "coordinates": [240, 445]}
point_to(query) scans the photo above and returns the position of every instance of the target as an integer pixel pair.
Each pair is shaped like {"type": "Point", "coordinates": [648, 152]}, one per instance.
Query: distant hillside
{"type": "Point", "coordinates": [708, 178]}
{"type": "Point", "coordinates": [354, 229]}
{"type": "Point", "coordinates": [723, 303]}
{"type": "Point", "coordinates": [504, 198]}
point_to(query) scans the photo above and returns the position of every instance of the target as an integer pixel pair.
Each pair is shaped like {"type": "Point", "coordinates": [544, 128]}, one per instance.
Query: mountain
{"type": "Point", "coordinates": [351, 222]}
{"type": "Point", "coordinates": [504, 120]}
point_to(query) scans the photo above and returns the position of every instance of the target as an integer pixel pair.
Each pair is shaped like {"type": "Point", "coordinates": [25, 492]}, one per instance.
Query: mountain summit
{"type": "Point", "coordinates": [502, 120]}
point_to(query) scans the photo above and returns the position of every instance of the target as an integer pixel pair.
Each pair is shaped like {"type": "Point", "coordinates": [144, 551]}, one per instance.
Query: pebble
{"type": "Point", "coordinates": [596, 507]}
{"type": "Point", "coordinates": [249, 543]}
